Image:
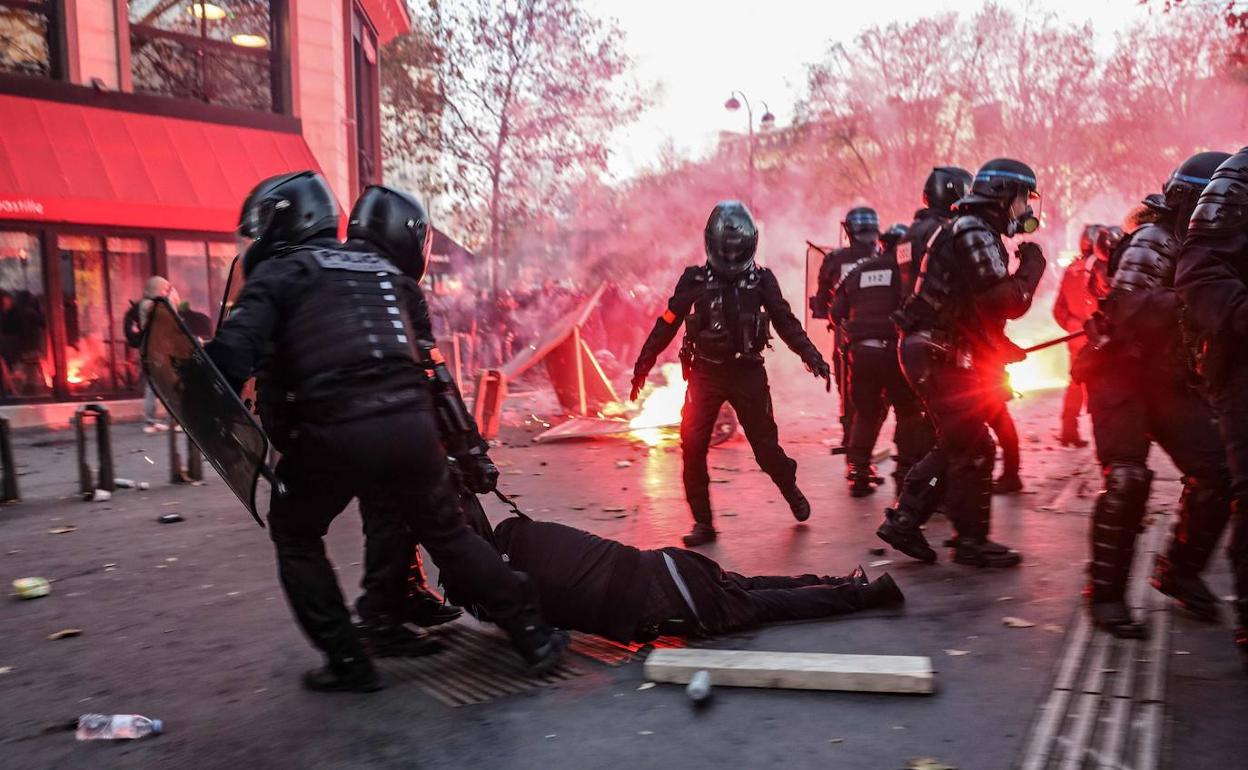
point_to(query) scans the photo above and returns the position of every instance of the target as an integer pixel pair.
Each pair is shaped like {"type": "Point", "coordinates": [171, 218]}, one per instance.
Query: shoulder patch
{"type": "Point", "coordinates": [354, 261]}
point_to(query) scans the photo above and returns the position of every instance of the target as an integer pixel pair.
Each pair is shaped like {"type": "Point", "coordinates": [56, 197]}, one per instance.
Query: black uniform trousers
{"type": "Point", "coordinates": [394, 464]}
{"type": "Point", "coordinates": [1006, 431]}
{"type": "Point", "coordinates": [1230, 400]}
{"type": "Point", "coordinates": [876, 382]}
{"type": "Point", "coordinates": [743, 384]}
{"type": "Point", "coordinates": [728, 602]}
{"type": "Point", "coordinates": [958, 469]}
{"type": "Point", "coordinates": [1132, 405]}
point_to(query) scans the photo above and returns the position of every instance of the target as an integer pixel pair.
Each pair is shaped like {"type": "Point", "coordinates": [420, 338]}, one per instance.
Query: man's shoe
{"type": "Point", "coordinates": [344, 675]}
{"type": "Point", "coordinates": [1188, 590]}
{"type": "Point", "coordinates": [426, 611]}
{"type": "Point", "coordinates": [1115, 618]}
{"type": "Point", "coordinates": [701, 534]}
{"type": "Point", "coordinates": [883, 592]}
{"type": "Point", "coordinates": [907, 539]}
{"type": "Point", "coordinates": [397, 641]}
{"type": "Point", "coordinates": [984, 553]}
{"type": "Point", "coordinates": [797, 503]}
{"type": "Point", "coordinates": [1070, 437]}
{"type": "Point", "coordinates": [1007, 485]}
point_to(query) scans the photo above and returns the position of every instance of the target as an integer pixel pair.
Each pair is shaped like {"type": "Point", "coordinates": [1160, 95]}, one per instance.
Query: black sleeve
{"type": "Point", "coordinates": [1011, 296]}
{"type": "Point", "coordinates": [241, 340]}
{"type": "Point", "coordinates": [841, 300]}
{"type": "Point", "coordinates": [786, 324]}
{"type": "Point", "coordinates": [666, 325]}
{"type": "Point", "coordinates": [1215, 297]}
{"type": "Point", "coordinates": [418, 311]}
{"type": "Point", "coordinates": [828, 270]}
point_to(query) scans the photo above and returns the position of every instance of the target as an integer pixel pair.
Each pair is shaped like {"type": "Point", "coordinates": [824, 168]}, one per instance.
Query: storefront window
{"type": "Point", "coordinates": [25, 352]}
{"type": "Point", "coordinates": [27, 30]}
{"type": "Point", "coordinates": [100, 277]}
{"type": "Point", "coordinates": [220, 52]}
{"type": "Point", "coordinates": [198, 269]}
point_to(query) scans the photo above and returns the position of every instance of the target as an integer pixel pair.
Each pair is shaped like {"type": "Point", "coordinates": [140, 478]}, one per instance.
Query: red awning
{"type": "Point", "coordinates": [64, 162]}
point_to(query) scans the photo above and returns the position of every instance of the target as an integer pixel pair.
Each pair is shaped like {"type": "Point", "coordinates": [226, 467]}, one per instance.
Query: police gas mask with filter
{"type": "Point", "coordinates": [1021, 218]}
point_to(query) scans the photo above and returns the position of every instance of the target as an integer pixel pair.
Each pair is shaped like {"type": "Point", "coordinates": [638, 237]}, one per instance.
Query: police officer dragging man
{"type": "Point", "coordinates": [862, 228]}
{"type": "Point", "coordinates": [862, 309]}
{"type": "Point", "coordinates": [1212, 279]}
{"type": "Point", "coordinates": [953, 330]}
{"type": "Point", "coordinates": [727, 306]}
{"type": "Point", "coordinates": [1140, 391]}
{"type": "Point", "coordinates": [342, 394]}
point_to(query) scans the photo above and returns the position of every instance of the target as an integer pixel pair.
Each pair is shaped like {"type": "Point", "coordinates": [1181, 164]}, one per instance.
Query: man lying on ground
{"type": "Point", "coordinates": [600, 586]}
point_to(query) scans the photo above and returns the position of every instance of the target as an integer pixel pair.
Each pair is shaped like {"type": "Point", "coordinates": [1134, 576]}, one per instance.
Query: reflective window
{"type": "Point", "coordinates": [25, 351]}
{"type": "Point", "coordinates": [100, 277]}
{"type": "Point", "coordinates": [27, 32]}
{"type": "Point", "coordinates": [198, 271]}
{"type": "Point", "coordinates": [219, 52]}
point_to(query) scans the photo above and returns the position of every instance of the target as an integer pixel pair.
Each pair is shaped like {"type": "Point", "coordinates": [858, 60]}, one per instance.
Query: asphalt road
{"type": "Point", "coordinates": [187, 623]}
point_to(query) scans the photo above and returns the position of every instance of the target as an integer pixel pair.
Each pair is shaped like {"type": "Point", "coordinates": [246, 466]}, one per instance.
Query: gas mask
{"type": "Point", "coordinates": [1020, 218]}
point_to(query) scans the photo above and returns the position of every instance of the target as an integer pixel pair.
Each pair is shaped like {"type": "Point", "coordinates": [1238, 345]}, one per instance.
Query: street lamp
{"type": "Point", "coordinates": [767, 121]}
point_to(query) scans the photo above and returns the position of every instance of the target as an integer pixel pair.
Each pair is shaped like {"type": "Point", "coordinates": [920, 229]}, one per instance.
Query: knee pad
{"type": "Point", "coordinates": [1126, 492]}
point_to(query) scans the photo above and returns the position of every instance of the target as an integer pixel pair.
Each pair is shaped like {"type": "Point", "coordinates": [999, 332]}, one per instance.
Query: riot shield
{"type": "Point", "coordinates": [199, 398]}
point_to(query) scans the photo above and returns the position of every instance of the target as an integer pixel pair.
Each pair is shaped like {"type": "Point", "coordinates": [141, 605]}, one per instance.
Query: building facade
{"type": "Point", "coordinates": [131, 131]}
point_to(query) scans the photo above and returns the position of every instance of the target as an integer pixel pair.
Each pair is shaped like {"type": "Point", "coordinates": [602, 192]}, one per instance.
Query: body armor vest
{"type": "Point", "coordinates": [352, 320]}
{"type": "Point", "coordinates": [714, 333]}
{"type": "Point", "coordinates": [874, 292]}
{"type": "Point", "coordinates": [1146, 260]}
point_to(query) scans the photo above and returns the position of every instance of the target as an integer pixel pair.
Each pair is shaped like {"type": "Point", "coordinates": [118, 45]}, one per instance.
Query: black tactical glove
{"type": "Point", "coordinates": [639, 382]}
{"type": "Point", "coordinates": [480, 473]}
{"type": "Point", "coordinates": [818, 367]}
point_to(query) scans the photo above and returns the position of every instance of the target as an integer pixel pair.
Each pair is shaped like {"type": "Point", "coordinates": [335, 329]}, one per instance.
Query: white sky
{"type": "Point", "coordinates": [698, 51]}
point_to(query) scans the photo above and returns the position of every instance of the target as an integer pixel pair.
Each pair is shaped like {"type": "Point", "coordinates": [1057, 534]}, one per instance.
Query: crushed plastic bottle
{"type": "Point", "coordinates": [111, 727]}
{"type": "Point", "coordinates": [699, 688]}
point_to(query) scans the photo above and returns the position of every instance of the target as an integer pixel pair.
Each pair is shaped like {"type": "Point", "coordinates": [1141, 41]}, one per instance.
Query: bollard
{"type": "Point", "coordinates": [103, 478]}
{"type": "Point", "coordinates": [194, 468]}
{"type": "Point", "coordinates": [8, 487]}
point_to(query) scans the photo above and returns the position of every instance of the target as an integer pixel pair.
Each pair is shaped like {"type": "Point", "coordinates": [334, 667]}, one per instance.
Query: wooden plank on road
{"type": "Point", "coordinates": [794, 670]}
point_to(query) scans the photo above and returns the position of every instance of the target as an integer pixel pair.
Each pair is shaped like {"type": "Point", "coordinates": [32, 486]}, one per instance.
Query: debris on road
{"type": "Point", "coordinates": [111, 727]}
{"type": "Point", "coordinates": [876, 551]}
{"type": "Point", "coordinates": [699, 687]}
{"type": "Point", "coordinates": [646, 685]}
{"type": "Point", "coordinates": [1014, 622]}
{"type": "Point", "coordinates": [170, 518]}
{"type": "Point", "coordinates": [99, 496]}
{"type": "Point", "coordinates": [957, 653]}
{"type": "Point", "coordinates": [925, 763]}
{"type": "Point", "coordinates": [32, 587]}
{"type": "Point", "coordinates": [63, 530]}
{"type": "Point", "coordinates": [1054, 628]}
{"type": "Point", "coordinates": [880, 563]}
{"type": "Point", "coordinates": [623, 464]}
{"type": "Point", "coordinates": [64, 633]}
{"type": "Point", "coordinates": [793, 670]}
{"type": "Point", "coordinates": [6, 669]}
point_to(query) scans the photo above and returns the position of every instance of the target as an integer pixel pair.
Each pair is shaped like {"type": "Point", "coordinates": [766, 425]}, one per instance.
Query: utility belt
{"type": "Point", "coordinates": [946, 347]}
{"type": "Point", "coordinates": [356, 406]}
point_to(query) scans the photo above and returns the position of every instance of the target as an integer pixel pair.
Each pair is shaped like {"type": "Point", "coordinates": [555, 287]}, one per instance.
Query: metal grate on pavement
{"type": "Point", "coordinates": [614, 653]}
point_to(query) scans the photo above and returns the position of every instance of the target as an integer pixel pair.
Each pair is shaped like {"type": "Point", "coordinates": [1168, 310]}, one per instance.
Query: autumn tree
{"type": "Point", "coordinates": [527, 93]}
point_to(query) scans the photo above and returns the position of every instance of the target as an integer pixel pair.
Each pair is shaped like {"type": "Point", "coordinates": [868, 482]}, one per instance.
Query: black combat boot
{"type": "Point", "coordinates": [798, 503]}
{"type": "Point", "coordinates": [346, 674]}
{"type": "Point", "coordinates": [861, 480]}
{"type": "Point", "coordinates": [1114, 618]}
{"type": "Point", "coordinates": [1187, 589]}
{"type": "Point", "coordinates": [541, 646]}
{"type": "Point", "coordinates": [982, 552]}
{"type": "Point", "coordinates": [701, 534]}
{"type": "Point", "coordinates": [902, 532]}
{"type": "Point", "coordinates": [883, 592]}
{"type": "Point", "coordinates": [386, 639]}
{"type": "Point", "coordinates": [1007, 484]}
{"type": "Point", "coordinates": [425, 606]}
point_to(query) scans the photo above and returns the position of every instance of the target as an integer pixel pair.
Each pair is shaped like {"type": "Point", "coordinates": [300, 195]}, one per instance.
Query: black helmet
{"type": "Point", "coordinates": [999, 183]}
{"type": "Point", "coordinates": [284, 211]}
{"type": "Point", "coordinates": [893, 235]}
{"type": "Point", "coordinates": [1107, 239]}
{"type": "Point", "coordinates": [731, 238]}
{"type": "Point", "coordinates": [862, 225]}
{"type": "Point", "coordinates": [1179, 193]}
{"type": "Point", "coordinates": [1087, 239]}
{"type": "Point", "coordinates": [944, 186]}
{"type": "Point", "coordinates": [396, 224]}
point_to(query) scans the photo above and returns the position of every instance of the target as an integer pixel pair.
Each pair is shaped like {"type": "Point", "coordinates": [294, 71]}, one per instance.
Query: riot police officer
{"type": "Point", "coordinates": [343, 398]}
{"type": "Point", "coordinates": [862, 228]}
{"type": "Point", "coordinates": [727, 306]}
{"type": "Point", "coordinates": [1140, 390]}
{"type": "Point", "coordinates": [1212, 279]}
{"type": "Point", "coordinates": [944, 186]}
{"type": "Point", "coordinates": [862, 309]}
{"type": "Point", "coordinates": [1075, 304]}
{"type": "Point", "coordinates": [953, 330]}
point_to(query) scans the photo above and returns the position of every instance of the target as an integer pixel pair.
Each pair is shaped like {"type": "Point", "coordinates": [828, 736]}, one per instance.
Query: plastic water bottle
{"type": "Point", "coordinates": [699, 688]}
{"type": "Point", "coordinates": [110, 727]}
